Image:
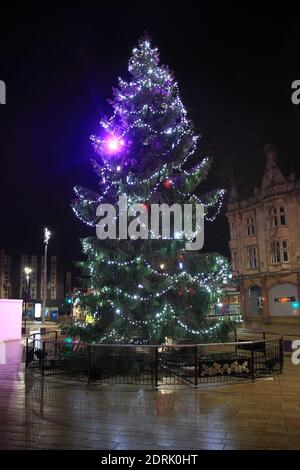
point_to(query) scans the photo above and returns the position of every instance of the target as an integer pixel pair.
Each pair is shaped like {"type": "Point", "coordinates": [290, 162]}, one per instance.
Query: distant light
{"type": "Point", "coordinates": [296, 305]}
{"type": "Point", "coordinates": [27, 271]}
{"type": "Point", "coordinates": [47, 235]}
{"type": "Point", "coordinates": [68, 340]}
{"type": "Point", "coordinates": [114, 145]}
{"type": "Point", "coordinates": [162, 266]}
{"type": "Point", "coordinates": [118, 311]}
{"type": "Point", "coordinates": [219, 304]}
{"type": "Point", "coordinates": [284, 300]}
{"type": "Point", "coordinates": [37, 310]}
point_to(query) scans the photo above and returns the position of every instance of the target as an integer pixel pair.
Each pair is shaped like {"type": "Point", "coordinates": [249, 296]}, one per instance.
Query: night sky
{"type": "Point", "coordinates": [234, 67]}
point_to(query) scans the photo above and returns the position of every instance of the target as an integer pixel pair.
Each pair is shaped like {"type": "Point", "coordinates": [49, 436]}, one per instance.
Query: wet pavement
{"type": "Point", "coordinates": [56, 414]}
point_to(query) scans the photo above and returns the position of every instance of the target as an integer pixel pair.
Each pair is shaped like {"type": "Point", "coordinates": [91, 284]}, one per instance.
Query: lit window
{"type": "Point", "coordinates": [6, 292]}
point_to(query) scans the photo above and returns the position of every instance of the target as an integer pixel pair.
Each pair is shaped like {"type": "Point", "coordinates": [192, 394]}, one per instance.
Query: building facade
{"type": "Point", "coordinates": [13, 280]}
{"type": "Point", "coordinates": [265, 244]}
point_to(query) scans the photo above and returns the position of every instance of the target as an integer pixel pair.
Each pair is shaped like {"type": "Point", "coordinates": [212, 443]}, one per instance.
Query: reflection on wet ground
{"type": "Point", "coordinates": [52, 414]}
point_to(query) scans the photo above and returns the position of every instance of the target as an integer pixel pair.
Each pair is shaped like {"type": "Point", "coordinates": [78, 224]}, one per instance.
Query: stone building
{"type": "Point", "coordinates": [265, 244]}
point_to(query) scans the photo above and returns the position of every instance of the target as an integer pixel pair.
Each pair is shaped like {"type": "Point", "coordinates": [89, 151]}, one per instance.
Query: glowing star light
{"type": "Point", "coordinates": [114, 144]}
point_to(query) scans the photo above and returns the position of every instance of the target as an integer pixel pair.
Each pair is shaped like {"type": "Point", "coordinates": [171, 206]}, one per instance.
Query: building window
{"type": "Point", "coordinates": [280, 251]}
{"type": "Point", "coordinates": [53, 293]}
{"type": "Point", "coordinates": [234, 262]}
{"type": "Point", "coordinates": [7, 261]}
{"type": "Point", "coordinates": [275, 252]}
{"type": "Point", "coordinates": [250, 226]}
{"type": "Point", "coordinates": [6, 292]}
{"type": "Point", "coordinates": [252, 257]}
{"type": "Point", "coordinates": [276, 216]}
{"type": "Point", "coordinates": [282, 216]}
{"type": "Point", "coordinates": [285, 251]}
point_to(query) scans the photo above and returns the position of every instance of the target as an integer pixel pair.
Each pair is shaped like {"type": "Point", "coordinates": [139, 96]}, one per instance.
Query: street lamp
{"type": "Point", "coordinates": [47, 235]}
{"type": "Point", "coordinates": [26, 299]}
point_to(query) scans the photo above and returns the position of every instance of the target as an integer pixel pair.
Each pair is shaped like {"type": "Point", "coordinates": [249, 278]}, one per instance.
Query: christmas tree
{"type": "Point", "coordinates": [147, 290]}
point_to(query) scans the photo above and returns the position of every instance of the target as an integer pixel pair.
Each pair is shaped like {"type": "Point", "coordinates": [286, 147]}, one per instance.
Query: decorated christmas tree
{"type": "Point", "coordinates": [149, 289]}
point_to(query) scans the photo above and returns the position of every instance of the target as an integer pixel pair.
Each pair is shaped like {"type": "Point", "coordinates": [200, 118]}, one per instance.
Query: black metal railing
{"type": "Point", "coordinates": [155, 365]}
{"type": "Point", "coordinates": [34, 345]}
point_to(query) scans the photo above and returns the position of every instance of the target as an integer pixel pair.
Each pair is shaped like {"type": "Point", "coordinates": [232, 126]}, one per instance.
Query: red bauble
{"type": "Point", "coordinates": [168, 184]}
{"type": "Point", "coordinates": [181, 258]}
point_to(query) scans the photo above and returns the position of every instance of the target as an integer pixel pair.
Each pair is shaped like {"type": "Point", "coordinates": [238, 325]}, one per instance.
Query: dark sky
{"type": "Point", "coordinates": [234, 67]}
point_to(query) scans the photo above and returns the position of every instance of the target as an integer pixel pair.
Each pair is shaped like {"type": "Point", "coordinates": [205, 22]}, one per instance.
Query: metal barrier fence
{"type": "Point", "coordinates": [34, 345]}
{"type": "Point", "coordinates": [155, 365]}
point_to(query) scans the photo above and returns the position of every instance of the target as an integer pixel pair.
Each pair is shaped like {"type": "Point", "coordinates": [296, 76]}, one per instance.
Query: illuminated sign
{"type": "Point", "coordinates": [284, 300]}
{"type": "Point", "coordinates": [37, 310]}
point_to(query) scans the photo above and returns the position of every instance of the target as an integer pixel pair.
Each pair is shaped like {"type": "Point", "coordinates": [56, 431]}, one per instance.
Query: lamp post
{"type": "Point", "coordinates": [47, 235]}
{"type": "Point", "coordinates": [26, 294]}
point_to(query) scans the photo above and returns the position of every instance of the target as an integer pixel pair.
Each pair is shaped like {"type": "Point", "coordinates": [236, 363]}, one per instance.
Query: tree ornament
{"type": "Point", "coordinates": [114, 144]}
{"type": "Point", "coordinates": [168, 183]}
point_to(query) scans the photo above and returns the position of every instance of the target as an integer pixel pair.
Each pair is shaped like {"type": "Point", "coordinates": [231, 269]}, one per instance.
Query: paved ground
{"type": "Point", "coordinates": [288, 330]}
{"type": "Point", "coordinates": [52, 415]}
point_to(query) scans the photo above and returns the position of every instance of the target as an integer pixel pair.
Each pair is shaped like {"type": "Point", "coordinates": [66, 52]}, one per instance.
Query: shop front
{"type": "Point", "coordinates": [284, 300]}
